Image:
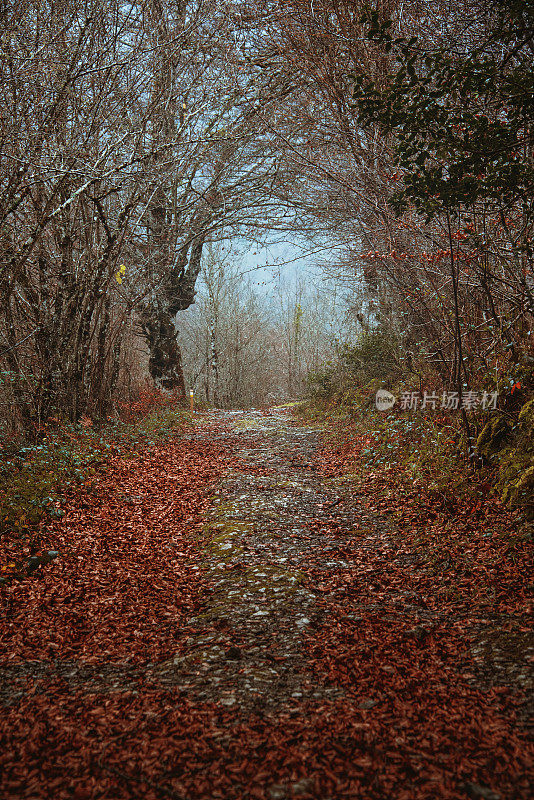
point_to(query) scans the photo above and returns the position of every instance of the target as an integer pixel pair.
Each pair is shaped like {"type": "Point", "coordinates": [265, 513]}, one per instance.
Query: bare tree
{"type": "Point", "coordinates": [131, 136]}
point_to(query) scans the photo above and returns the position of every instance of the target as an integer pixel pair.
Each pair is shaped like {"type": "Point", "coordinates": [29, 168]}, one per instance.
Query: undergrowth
{"type": "Point", "coordinates": [34, 478]}
{"type": "Point", "coordinates": [423, 451]}
{"type": "Point", "coordinates": [410, 467]}
{"type": "Point", "coordinates": [422, 447]}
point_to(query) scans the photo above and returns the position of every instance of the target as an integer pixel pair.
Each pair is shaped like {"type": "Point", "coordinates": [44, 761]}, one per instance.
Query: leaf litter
{"type": "Point", "coordinates": [283, 638]}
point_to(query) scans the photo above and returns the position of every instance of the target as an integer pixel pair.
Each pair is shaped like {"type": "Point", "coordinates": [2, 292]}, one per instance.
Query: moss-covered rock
{"type": "Point", "coordinates": [516, 464]}
{"type": "Point", "coordinates": [521, 493]}
{"type": "Point", "coordinates": [526, 417]}
{"type": "Point", "coordinates": [494, 435]}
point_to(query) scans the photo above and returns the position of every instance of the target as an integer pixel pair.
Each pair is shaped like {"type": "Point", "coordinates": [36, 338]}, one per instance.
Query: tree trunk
{"type": "Point", "coordinates": [165, 361]}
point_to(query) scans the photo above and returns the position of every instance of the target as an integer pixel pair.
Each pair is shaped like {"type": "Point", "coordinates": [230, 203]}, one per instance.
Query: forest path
{"type": "Point", "coordinates": [265, 527]}
{"type": "Point", "coordinates": [223, 622]}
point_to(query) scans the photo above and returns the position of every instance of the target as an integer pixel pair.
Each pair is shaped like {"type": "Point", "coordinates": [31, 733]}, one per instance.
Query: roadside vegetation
{"type": "Point", "coordinates": [467, 520]}
{"type": "Point", "coordinates": [425, 448]}
{"type": "Point", "coordinates": [37, 478]}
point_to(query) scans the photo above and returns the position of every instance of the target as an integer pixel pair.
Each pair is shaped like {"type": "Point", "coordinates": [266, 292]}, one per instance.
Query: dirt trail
{"type": "Point", "coordinates": [246, 648]}
{"type": "Point", "coordinates": [290, 645]}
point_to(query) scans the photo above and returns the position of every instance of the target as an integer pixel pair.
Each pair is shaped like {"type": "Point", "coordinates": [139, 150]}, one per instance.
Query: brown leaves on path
{"type": "Point", "coordinates": [128, 573]}
{"type": "Point", "coordinates": [408, 722]}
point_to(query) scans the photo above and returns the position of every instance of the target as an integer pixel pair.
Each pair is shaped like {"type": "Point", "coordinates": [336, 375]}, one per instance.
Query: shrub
{"type": "Point", "coordinates": [361, 368]}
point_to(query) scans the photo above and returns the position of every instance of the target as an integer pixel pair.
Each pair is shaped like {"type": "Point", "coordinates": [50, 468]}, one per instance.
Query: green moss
{"type": "Point", "coordinates": [223, 537]}
{"type": "Point", "coordinates": [526, 417]}
{"type": "Point", "coordinates": [521, 493]}
{"type": "Point", "coordinates": [247, 424]}
{"type": "Point", "coordinates": [224, 511]}
{"type": "Point", "coordinates": [516, 464]}
{"type": "Point", "coordinates": [199, 421]}
{"type": "Point", "coordinates": [229, 529]}
{"type": "Point", "coordinates": [493, 436]}
{"type": "Point", "coordinates": [225, 545]}
{"type": "Point", "coordinates": [289, 485]}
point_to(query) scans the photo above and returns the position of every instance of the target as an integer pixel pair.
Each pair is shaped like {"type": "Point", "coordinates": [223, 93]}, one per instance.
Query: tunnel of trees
{"type": "Point", "coordinates": [139, 140]}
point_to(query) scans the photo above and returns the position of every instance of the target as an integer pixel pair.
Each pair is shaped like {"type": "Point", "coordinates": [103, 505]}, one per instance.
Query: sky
{"type": "Point", "coordinates": [266, 265]}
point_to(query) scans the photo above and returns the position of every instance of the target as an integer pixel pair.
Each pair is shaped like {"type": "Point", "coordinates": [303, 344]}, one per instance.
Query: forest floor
{"type": "Point", "coordinates": [228, 618]}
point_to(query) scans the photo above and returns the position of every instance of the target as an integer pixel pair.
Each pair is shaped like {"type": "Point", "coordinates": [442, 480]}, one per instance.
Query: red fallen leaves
{"type": "Point", "coordinates": [429, 730]}
{"type": "Point", "coordinates": [472, 544]}
{"type": "Point", "coordinates": [158, 744]}
{"type": "Point", "coordinates": [418, 591]}
{"type": "Point", "coordinates": [408, 726]}
{"type": "Point", "coordinates": [126, 575]}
